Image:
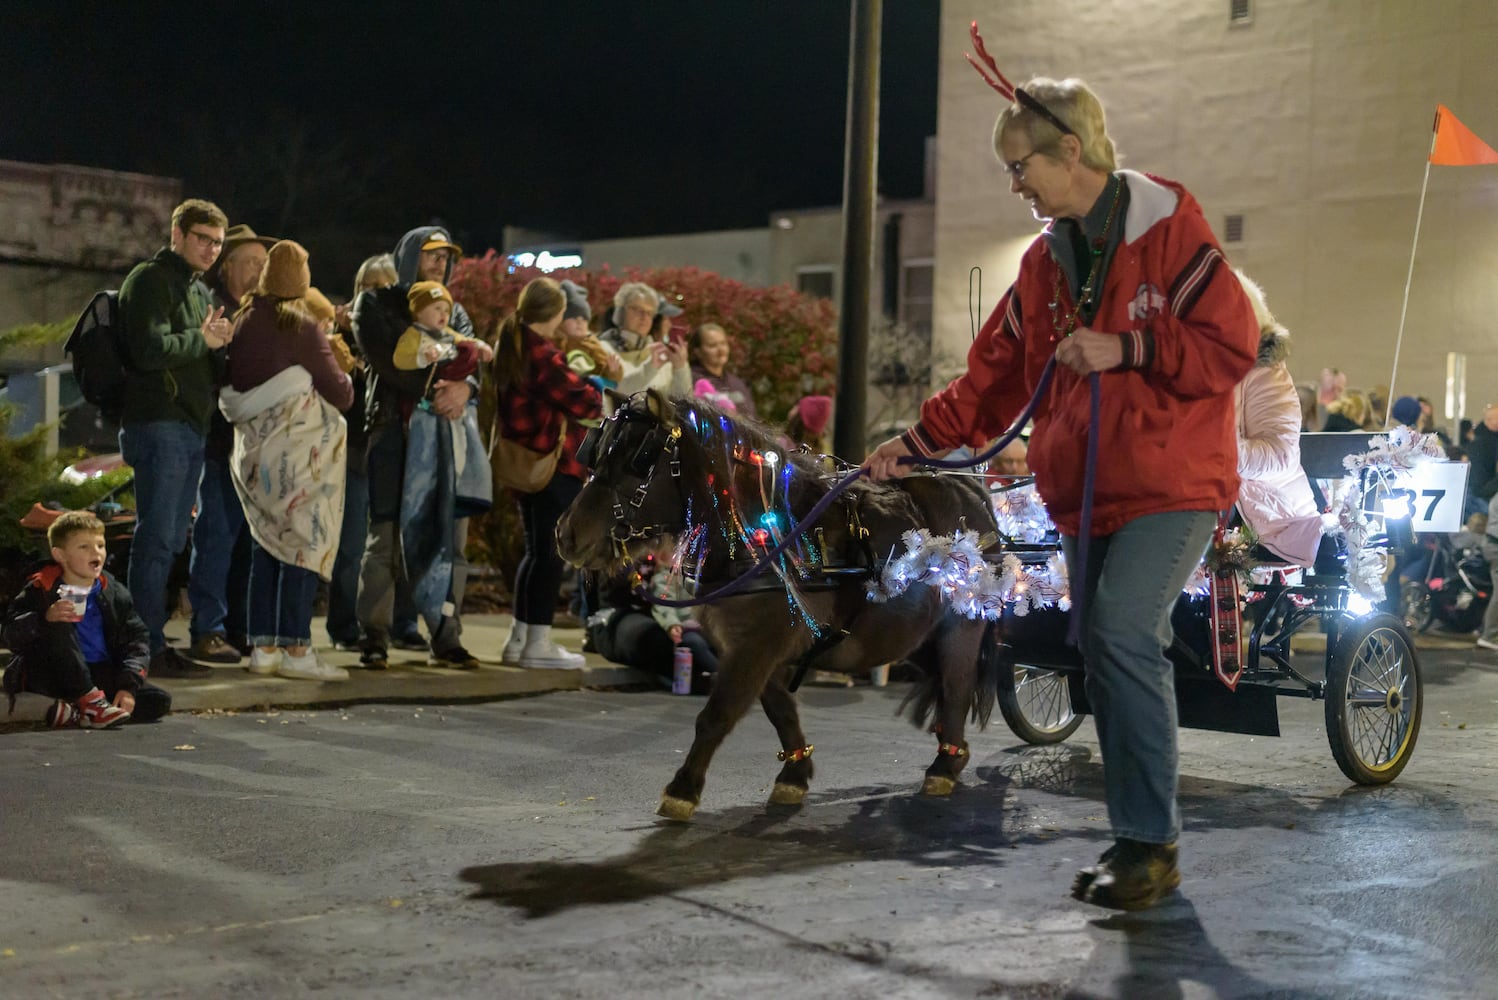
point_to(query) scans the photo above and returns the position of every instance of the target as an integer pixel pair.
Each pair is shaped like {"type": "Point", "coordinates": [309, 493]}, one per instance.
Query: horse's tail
{"type": "Point", "coordinates": [924, 697]}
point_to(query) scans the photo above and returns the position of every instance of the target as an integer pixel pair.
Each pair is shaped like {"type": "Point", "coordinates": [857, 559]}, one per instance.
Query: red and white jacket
{"type": "Point", "coordinates": [1167, 440]}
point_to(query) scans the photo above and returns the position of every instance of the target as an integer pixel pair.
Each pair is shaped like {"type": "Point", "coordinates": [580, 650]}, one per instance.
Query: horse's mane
{"type": "Point", "coordinates": [755, 434]}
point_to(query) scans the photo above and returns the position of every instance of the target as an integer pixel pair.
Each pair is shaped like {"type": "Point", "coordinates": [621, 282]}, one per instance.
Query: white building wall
{"type": "Point", "coordinates": [1313, 122]}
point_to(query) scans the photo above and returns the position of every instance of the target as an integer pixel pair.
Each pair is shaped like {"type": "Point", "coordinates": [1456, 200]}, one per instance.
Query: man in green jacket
{"type": "Point", "coordinates": [175, 344]}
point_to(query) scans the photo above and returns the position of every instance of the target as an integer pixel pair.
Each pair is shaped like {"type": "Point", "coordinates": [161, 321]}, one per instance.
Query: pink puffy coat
{"type": "Point", "coordinates": [1275, 496]}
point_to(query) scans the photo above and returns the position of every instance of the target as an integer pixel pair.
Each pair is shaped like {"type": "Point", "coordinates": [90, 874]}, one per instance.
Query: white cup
{"type": "Point", "coordinates": [76, 596]}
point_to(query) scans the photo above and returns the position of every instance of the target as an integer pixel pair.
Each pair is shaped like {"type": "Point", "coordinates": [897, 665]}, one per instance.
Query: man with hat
{"type": "Point", "coordinates": [219, 599]}
{"type": "Point", "coordinates": [380, 317]}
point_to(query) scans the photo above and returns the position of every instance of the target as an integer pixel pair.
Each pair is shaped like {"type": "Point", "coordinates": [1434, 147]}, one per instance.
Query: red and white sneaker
{"type": "Point", "coordinates": [95, 712]}
{"type": "Point", "coordinates": [62, 715]}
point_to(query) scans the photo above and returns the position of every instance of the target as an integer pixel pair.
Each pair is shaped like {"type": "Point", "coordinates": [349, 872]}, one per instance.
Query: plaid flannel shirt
{"type": "Point", "coordinates": [531, 411]}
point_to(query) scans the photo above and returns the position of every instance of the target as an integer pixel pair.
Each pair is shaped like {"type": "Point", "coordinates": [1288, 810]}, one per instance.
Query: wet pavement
{"type": "Point", "coordinates": [510, 849]}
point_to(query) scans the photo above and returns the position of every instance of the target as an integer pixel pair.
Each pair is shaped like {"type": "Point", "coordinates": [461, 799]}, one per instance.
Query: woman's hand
{"type": "Point", "coordinates": [450, 398]}
{"type": "Point", "coordinates": [883, 462]}
{"type": "Point", "coordinates": [676, 351]}
{"type": "Point", "coordinates": [1087, 351]}
{"type": "Point", "coordinates": [675, 633]}
{"type": "Point", "coordinates": [124, 699]}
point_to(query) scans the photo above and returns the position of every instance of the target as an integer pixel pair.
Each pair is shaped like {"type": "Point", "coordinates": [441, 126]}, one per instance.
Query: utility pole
{"type": "Point", "coordinates": [860, 196]}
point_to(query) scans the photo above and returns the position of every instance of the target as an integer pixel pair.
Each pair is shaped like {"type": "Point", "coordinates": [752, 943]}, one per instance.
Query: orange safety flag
{"type": "Point", "coordinates": [1455, 145]}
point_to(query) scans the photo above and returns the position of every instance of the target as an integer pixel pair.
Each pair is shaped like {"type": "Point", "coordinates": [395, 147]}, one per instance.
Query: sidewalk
{"type": "Point", "coordinates": [408, 678]}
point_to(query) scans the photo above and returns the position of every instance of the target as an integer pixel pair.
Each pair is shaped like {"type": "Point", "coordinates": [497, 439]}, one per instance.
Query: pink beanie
{"type": "Point", "coordinates": [815, 412]}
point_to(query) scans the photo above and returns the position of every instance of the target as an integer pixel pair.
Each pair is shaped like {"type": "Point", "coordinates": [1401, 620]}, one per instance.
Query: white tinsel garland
{"type": "Point", "coordinates": [955, 565]}
{"type": "Point", "coordinates": [1388, 456]}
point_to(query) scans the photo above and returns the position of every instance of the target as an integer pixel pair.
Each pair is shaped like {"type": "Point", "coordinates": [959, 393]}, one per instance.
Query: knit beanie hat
{"type": "Point", "coordinates": [815, 412]}
{"type": "Point", "coordinates": [1406, 410]}
{"type": "Point", "coordinates": [577, 301]}
{"type": "Point", "coordinates": [318, 305]}
{"type": "Point", "coordinates": [286, 275]}
{"type": "Point", "coordinates": [424, 293]}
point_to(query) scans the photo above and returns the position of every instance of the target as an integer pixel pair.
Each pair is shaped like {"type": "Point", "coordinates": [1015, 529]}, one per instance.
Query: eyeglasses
{"type": "Point", "coordinates": [208, 241]}
{"type": "Point", "coordinates": [1016, 168]}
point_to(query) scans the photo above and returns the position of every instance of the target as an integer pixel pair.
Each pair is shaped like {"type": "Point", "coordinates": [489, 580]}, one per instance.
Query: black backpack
{"type": "Point", "coordinates": [97, 347]}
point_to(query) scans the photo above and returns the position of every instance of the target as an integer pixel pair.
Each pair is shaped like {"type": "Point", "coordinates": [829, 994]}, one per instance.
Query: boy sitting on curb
{"type": "Point", "coordinates": [76, 637]}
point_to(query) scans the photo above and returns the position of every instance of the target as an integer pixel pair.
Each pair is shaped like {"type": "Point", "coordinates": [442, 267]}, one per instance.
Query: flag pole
{"type": "Point", "coordinates": [1405, 307]}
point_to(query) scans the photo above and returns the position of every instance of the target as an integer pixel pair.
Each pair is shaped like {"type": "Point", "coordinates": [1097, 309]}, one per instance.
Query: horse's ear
{"type": "Point", "coordinates": [661, 408]}
{"type": "Point", "coordinates": [615, 396]}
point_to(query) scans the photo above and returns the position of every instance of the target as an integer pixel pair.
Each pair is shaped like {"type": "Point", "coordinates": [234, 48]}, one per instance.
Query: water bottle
{"type": "Point", "coordinates": [681, 670]}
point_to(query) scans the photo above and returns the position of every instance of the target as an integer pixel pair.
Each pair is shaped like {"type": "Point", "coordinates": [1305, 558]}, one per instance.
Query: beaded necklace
{"type": "Point", "coordinates": [1084, 294]}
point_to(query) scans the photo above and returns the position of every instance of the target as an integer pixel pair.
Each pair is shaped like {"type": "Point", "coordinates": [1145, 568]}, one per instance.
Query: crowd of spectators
{"type": "Point", "coordinates": [298, 445]}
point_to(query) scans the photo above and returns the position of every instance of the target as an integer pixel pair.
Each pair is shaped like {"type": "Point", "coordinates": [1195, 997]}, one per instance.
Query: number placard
{"type": "Point", "coordinates": [1440, 492]}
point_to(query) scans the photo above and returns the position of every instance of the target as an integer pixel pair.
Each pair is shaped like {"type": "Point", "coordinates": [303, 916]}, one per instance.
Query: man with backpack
{"type": "Point", "coordinates": [174, 344]}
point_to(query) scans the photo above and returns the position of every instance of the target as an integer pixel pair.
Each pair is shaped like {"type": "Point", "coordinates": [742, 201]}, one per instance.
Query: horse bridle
{"type": "Point", "coordinates": [598, 444]}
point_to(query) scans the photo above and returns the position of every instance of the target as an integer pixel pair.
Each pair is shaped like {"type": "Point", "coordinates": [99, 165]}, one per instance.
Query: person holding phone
{"type": "Point", "coordinates": [651, 358]}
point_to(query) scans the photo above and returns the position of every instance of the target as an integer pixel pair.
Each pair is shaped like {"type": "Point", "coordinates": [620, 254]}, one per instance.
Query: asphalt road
{"type": "Point", "coordinates": [510, 850]}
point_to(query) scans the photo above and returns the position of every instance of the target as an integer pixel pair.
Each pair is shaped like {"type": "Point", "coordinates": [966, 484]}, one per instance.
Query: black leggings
{"type": "Point", "coordinates": [539, 576]}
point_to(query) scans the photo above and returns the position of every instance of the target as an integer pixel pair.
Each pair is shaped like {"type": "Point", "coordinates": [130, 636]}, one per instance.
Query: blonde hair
{"type": "Point", "coordinates": [1074, 103]}
{"type": "Point", "coordinates": [540, 301]}
{"type": "Point", "coordinates": [72, 523]}
{"type": "Point", "coordinates": [1353, 405]}
{"type": "Point", "coordinates": [381, 265]}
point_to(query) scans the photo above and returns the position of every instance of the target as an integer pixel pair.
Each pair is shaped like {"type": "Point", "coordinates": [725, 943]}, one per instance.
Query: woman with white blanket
{"type": "Point", "coordinates": [284, 399]}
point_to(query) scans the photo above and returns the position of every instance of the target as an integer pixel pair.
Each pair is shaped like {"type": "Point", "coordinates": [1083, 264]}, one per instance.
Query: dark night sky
{"type": "Point", "coordinates": [590, 119]}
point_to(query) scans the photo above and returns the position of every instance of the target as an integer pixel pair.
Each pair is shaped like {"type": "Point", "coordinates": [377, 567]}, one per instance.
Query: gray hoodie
{"type": "Point", "coordinates": [408, 258]}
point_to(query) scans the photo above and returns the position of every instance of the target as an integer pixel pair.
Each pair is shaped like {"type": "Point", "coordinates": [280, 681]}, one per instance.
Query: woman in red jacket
{"type": "Point", "coordinates": [1125, 280]}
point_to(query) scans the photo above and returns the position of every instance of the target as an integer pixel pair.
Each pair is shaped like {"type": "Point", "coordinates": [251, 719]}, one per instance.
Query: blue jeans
{"type": "Point", "coordinates": [343, 589]}
{"type": "Point", "coordinates": [215, 532]}
{"type": "Point", "coordinates": [167, 456]}
{"type": "Point", "coordinates": [281, 598]}
{"type": "Point", "coordinates": [1133, 579]}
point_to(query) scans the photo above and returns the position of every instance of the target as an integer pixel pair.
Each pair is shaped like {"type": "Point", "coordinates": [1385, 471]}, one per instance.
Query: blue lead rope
{"type": "Point", "coordinates": [794, 530]}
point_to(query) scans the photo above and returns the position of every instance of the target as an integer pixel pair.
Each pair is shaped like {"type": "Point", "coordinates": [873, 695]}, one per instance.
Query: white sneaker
{"type": "Point", "coordinates": [1485, 644]}
{"type": "Point", "coordinates": [263, 663]}
{"type": "Point", "coordinates": [514, 645]}
{"type": "Point", "coordinates": [308, 667]}
{"type": "Point", "coordinates": [550, 656]}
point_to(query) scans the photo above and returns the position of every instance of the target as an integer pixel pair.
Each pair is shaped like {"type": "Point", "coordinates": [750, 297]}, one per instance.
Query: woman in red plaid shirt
{"type": "Point", "coordinates": [541, 399]}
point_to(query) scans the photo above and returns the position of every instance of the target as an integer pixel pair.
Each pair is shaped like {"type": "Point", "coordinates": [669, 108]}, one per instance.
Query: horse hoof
{"type": "Point", "coordinates": [673, 808]}
{"type": "Point", "coordinates": [936, 784]}
{"type": "Point", "coordinates": [787, 795]}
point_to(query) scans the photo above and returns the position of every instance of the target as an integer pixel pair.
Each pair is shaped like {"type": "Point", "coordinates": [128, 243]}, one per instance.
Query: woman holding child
{"type": "Point", "coordinates": [286, 390]}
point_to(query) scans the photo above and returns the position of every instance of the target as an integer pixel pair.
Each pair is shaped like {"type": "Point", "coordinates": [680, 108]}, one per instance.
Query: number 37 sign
{"type": "Point", "coordinates": [1435, 493]}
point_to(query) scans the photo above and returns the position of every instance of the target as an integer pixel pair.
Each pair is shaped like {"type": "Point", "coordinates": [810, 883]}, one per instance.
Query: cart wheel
{"type": "Point", "coordinates": [1373, 700]}
{"type": "Point", "coordinates": [1416, 605]}
{"type": "Point", "coordinates": [1036, 703]}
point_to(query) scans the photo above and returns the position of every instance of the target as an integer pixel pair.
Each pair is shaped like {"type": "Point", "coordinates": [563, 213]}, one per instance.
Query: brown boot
{"type": "Point", "coordinates": [1131, 875]}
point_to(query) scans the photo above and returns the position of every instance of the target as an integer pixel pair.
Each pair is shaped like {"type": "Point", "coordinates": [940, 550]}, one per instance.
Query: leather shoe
{"type": "Point", "coordinates": [1131, 875]}
{"type": "Point", "coordinates": [170, 663]}
{"type": "Point", "coordinates": [213, 648]}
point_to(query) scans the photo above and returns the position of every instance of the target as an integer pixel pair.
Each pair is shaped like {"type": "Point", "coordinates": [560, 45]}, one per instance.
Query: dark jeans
{"type": "Point", "coordinates": [539, 575]}
{"type": "Point", "coordinates": [167, 456]}
{"type": "Point", "coordinates": [281, 598]}
{"type": "Point", "coordinates": [55, 668]}
{"type": "Point", "coordinates": [217, 592]}
{"type": "Point", "coordinates": [343, 589]}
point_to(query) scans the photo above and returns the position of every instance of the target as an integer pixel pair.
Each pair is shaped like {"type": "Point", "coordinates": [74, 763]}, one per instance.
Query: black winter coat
{"type": "Point", "coordinates": [125, 635]}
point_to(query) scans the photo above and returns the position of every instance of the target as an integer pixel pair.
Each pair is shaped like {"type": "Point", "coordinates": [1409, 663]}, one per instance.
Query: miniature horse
{"type": "Point", "coordinates": [688, 470]}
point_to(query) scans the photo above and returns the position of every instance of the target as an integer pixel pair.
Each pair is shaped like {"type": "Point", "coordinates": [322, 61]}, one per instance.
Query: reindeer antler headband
{"type": "Point", "coordinates": [1006, 89]}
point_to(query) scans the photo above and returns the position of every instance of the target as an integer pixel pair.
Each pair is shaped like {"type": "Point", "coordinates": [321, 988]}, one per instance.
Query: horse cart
{"type": "Point", "coordinates": [1369, 678]}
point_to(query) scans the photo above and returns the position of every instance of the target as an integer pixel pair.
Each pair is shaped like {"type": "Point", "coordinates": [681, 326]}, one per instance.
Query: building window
{"type": "Point", "coordinates": [1232, 230]}
{"type": "Point", "coordinates": [817, 282]}
{"type": "Point", "coordinates": [1240, 12]}
{"type": "Point", "coordinates": [917, 280]}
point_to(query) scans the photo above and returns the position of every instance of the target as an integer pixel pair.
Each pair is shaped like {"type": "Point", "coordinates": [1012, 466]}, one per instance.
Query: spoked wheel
{"type": "Point", "coordinates": [1373, 700]}
{"type": "Point", "coordinates": [1036, 703]}
{"type": "Point", "coordinates": [1417, 605]}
